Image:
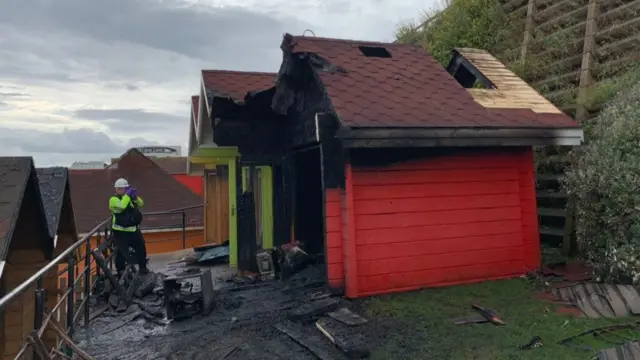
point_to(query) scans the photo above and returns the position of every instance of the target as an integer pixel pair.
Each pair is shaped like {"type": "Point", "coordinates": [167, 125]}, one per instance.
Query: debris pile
{"type": "Point", "coordinates": [158, 297]}
{"type": "Point", "coordinates": [335, 324]}
{"type": "Point", "coordinates": [570, 286]}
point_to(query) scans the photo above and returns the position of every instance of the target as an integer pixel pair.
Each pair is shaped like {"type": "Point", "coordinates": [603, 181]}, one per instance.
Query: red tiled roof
{"type": "Point", "coordinates": [91, 189]}
{"type": "Point", "coordinates": [195, 106]}
{"type": "Point", "coordinates": [236, 84]}
{"type": "Point", "coordinates": [410, 89]}
{"type": "Point", "coordinates": [172, 165]}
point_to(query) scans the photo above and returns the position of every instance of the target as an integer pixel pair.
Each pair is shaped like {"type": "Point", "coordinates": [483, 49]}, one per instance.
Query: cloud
{"type": "Point", "coordinates": [7, 95]}
{"type": "Point", "coordinates": [134, 119]}
{"type": "Point", "coordinates": [79, 79]}
{"type": "Point", "coordinates": [225, 35]}
{"type": "Point", "coordinates": [65, 146]}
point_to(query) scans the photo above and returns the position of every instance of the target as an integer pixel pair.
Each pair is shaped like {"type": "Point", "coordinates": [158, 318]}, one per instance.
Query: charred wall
{"type": "Point", "coordinates": [300, 96]}
{"type": "Point", "coordinates": [260, 134]}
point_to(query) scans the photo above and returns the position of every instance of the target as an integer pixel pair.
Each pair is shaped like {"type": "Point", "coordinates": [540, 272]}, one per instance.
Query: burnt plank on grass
{"type": "Point", "coordinates": [346, 339]}
{"type": "Point", "coordinates": [472, 319]}
{"type": "Point", "coordinates": [347, 317]}
{"type": "Point", "coordinates": [309, 342]}
{"type": "Point", "coordinates": [313, 309]}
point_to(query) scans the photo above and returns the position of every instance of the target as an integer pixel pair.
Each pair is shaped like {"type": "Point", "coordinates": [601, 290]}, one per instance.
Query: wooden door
{"type": "Point", "coordinates": [216, 228]}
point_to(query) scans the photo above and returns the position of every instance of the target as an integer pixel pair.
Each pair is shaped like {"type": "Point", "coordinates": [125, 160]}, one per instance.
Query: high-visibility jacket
{"type": "Point", "coordinates": [120, 206]}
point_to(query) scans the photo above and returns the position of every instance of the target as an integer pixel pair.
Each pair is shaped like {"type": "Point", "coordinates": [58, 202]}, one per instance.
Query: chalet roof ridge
{"type": "Point", "coordinates": [54, 184]}
{"type": "Point", "coordinates": [348, 41]}
{"type": "Point", "coordinates": [18, 172]}
{"type": "Point", "coordinates": [238, 72]}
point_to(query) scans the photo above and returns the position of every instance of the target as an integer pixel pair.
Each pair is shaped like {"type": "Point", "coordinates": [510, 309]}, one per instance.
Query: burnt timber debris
{"type": "Point", "coordinates": [604, 333]}
{"type": "Point", "coordinates": [295, 308]}
{"type": "Point", "coordinates": [570, 284]}
{"type": "Point", "coordinates": [347, 317]}
{"type": "Point", "coordinates": [180, 304]}
{"type": "Point", "coordinates": [485, 315]}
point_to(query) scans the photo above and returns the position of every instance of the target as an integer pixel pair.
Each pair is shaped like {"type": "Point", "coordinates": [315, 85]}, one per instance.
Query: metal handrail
{"type": "Point", "coordinates": [42, 321]}
{"type": "Point", "coordinates": [34, 278]}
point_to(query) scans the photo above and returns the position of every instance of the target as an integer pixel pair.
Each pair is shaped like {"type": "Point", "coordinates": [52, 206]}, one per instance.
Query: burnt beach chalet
{"type": "Point", "coordinates": [403, 174]}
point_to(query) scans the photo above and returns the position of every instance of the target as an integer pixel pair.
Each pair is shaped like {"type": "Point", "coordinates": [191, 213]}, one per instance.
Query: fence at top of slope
{"type": "Point", "coordinates": [578, 53]}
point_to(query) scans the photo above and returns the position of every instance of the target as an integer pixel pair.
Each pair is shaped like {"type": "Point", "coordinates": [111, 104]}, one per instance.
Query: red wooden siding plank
{"type": "Point", "coordinates": [438, 246]}
{"type": "Point", "coordinates": [350, 263]}
{"type": "Point", "coordinates": [385, 221]}
{"type": "Point", "coordinates": [477, 160]}
{"type": "Point", "coordinates": [390, 206]}
{"type": "Point", "coordinates": [434, 232]}
{"type": "Point", "coordinates": [333, 224]}
{"type": "Point", "coordinates": [334, 240]}
{"type": "Point", "coordinates": [436, 189]}
{"type": "Point", "coordinates": [333, 236]}
{"type": "Point", "coordinates": [332, 196]}
{"type": "Point", "coordinates": [438, 261]}
{"type": "Point", "coordinates": [335, 275]}
{"type": "Point", "coordinates": [434, 176]}
{"type": "Point", "coordinates": [334, 255]}
{"type": "Point", "coordinates": [332, 208]}
{"type": "Point", "coordinates": [405, 281]}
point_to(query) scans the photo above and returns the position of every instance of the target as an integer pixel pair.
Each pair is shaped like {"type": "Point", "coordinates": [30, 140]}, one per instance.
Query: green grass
{"type": "Point", "coordinates": [426, 331]}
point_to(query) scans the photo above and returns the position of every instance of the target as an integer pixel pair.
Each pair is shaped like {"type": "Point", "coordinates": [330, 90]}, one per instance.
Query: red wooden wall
{"type": "Point", "coordinates": [194, 183]}
{"type": "Point", "coordinates": [333, 224]}
{"type": "Point", "coordinates": [442, 221]}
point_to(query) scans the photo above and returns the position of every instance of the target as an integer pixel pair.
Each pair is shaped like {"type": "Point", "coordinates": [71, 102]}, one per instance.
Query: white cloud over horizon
{"type": "Point", "coordinates": [85, 80]}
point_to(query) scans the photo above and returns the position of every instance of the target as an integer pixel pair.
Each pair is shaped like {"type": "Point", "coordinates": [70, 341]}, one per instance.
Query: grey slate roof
{"type": "Point", "coordinates": [53, 184]}
{"type": "Point", "coordinates": [17, 176]}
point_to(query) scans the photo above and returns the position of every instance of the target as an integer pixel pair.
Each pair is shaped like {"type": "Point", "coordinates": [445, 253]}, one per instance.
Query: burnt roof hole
{"type": "Point", "coordinates": [467, 75]}
{"type": "Point", "coordinates": [374, 51]}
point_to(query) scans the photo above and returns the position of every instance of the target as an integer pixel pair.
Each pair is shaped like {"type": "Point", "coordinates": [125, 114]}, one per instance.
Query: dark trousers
{"type": "Point", "coordinates": [135, 240]}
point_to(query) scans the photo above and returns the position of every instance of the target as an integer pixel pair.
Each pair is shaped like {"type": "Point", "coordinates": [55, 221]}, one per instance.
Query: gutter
{"type": "Point", "coordinates": [443, 137]}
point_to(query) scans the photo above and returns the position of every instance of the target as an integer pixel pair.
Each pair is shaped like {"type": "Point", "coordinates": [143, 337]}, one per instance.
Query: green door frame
{"type": "Point", "coordinates": [210, 158]}
{"type": "Point", "coordinates": [266, 208]}
{"type": "Point", "coordinates": [266, 190]}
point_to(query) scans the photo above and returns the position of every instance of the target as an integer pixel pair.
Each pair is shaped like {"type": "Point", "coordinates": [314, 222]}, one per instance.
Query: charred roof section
{"type": "Point", "coordinates": [385, 85]}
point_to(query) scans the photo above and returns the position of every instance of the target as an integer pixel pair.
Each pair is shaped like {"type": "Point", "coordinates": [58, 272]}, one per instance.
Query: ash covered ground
{"type": "Point", "coordinates": [241, 325]}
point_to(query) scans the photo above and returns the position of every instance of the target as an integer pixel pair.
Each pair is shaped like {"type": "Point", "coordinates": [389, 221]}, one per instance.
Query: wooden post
{"type": "Point", "coordinates": [528, 29]}
{"type": "Point", "coordinates": [586, 77]}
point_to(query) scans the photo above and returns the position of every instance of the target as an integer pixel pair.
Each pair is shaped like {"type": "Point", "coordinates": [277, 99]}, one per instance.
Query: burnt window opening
{"type": "Point", "coordinates": [375, 51]}
{"type": "Point", "coordinates": [467, 75]}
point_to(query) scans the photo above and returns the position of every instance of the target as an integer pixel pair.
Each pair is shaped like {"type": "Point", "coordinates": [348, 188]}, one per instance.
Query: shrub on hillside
{"type": "Point", "coordinates": [605, 183]}
{"type": "Point", "coordinates": [463, 23]}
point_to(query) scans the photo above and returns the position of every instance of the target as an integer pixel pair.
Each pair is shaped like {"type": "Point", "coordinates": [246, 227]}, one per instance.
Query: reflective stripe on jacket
{"type": "Point", "coordinates": [117, 205]}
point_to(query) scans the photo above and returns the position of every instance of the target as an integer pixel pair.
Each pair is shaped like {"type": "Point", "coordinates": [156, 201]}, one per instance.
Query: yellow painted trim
{"type": "Point", "coordinates": [233, 216]}
{"type": "Point", "coordinates": [210, 160]}
{"type": "Point", "coordinates": [266, 177]}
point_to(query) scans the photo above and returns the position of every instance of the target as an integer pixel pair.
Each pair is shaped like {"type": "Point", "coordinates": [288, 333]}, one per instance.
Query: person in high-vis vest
{"type": "Point", "coordinates": [125, 226]}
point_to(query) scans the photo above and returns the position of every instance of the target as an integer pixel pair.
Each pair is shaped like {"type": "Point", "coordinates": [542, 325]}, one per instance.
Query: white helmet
{"type": "Point", "coordinates": [121, 183]}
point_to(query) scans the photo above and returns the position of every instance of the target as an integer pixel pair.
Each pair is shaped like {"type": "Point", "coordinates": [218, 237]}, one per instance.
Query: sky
{"type": "Point", "coordinates": [84, 80]}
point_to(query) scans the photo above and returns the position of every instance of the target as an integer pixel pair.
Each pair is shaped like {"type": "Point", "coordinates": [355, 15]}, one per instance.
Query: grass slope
{"type": "Point", "coordinates": [425, 330]}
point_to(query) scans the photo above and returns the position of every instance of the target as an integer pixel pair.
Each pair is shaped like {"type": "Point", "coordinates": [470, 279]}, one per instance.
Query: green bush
{"type": "Point", "coordinates": [478, 24]}
{"type": "Point", "coordinates": [605, 183]}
